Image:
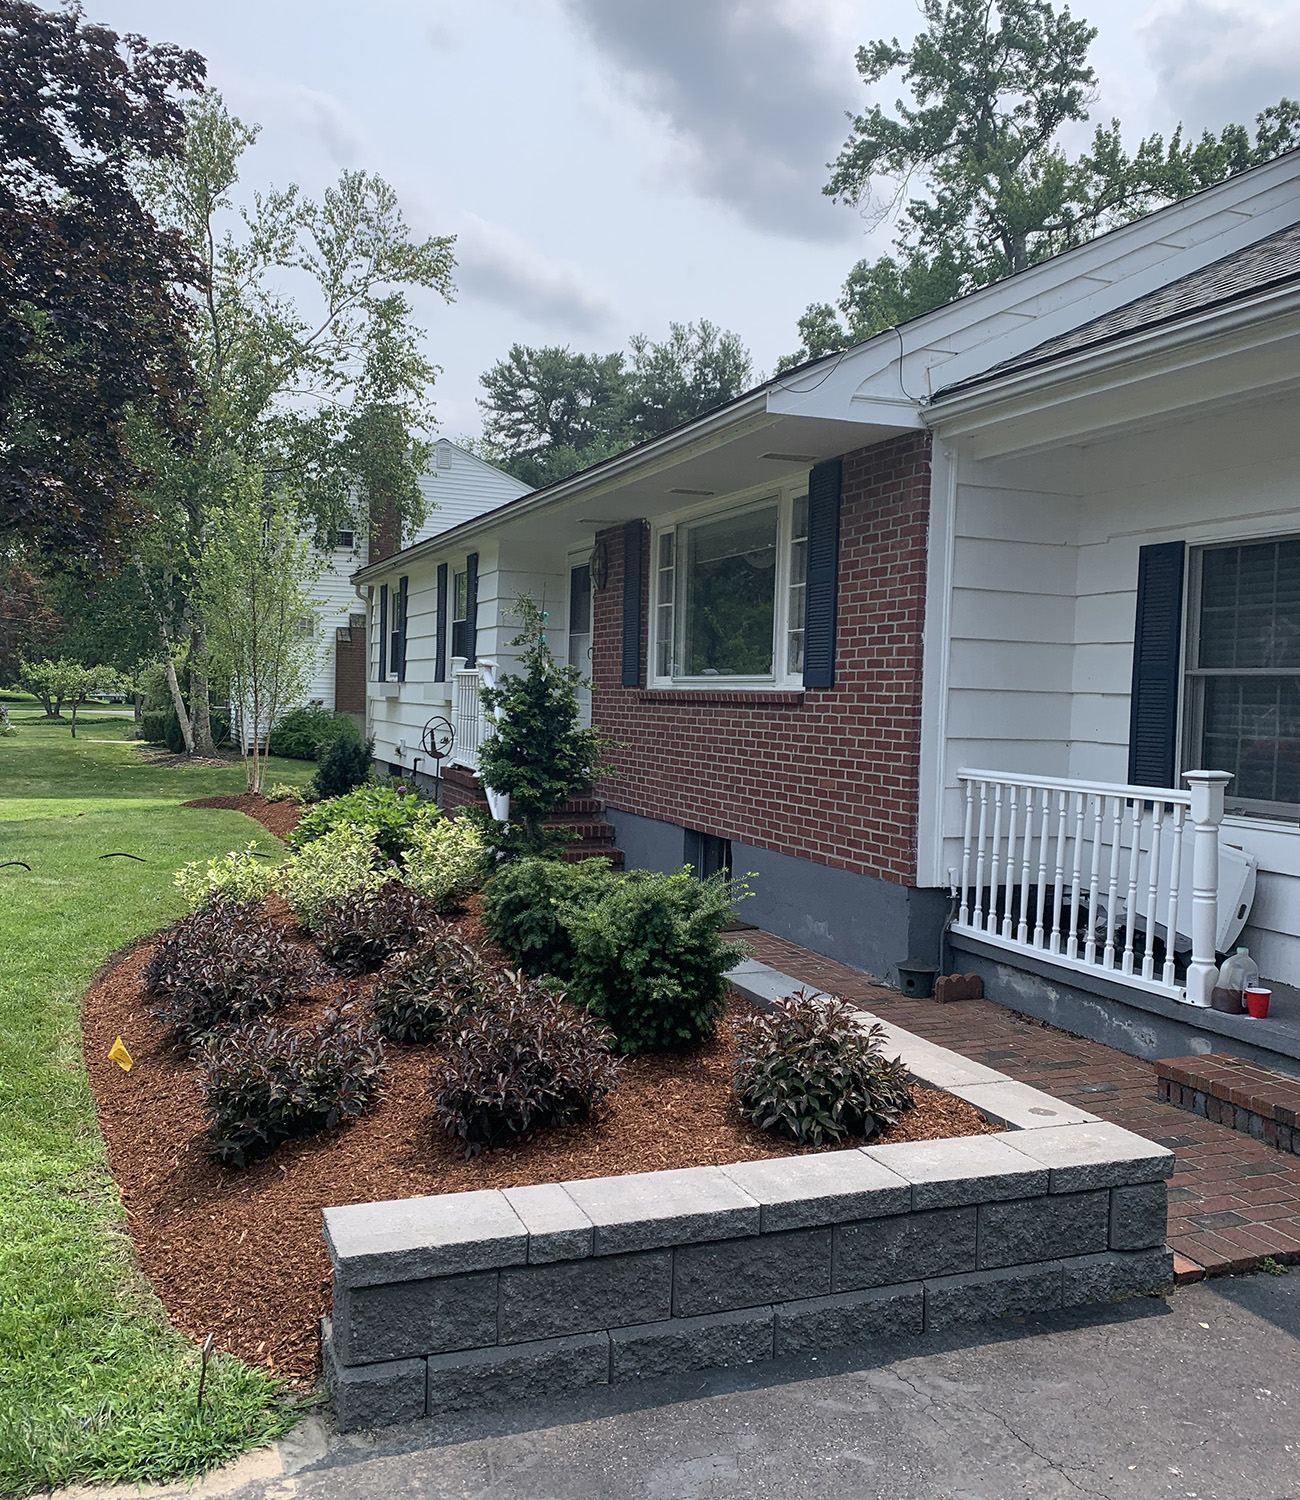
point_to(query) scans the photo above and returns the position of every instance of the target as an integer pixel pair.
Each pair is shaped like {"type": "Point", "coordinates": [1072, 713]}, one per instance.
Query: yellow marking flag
{"type": "Point", "coordinates": [118, 1054]}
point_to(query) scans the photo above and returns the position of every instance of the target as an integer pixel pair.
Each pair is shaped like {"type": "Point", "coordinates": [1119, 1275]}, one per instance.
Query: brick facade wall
{"type": "Point", "coordinates": [829, 775]}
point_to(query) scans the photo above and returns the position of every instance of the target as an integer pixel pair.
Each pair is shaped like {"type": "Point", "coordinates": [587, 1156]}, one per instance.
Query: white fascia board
{"type": "Point", "coordinates": [1000, 322]}
{"type": "Point", "coordinates": [1261, 320]}
{"type": "Point", "coordinates": [1128, 263]}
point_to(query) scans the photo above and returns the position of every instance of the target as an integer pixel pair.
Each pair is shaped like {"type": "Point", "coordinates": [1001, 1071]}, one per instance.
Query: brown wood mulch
{"type": "Point", "coordinates": [240, 1254]}
{"type": "Point", "coordinates": [279, 818]}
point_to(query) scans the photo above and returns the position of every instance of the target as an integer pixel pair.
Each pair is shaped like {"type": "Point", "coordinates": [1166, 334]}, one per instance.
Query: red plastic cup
{"type": "Point", "coordinates": [1257, 1002]}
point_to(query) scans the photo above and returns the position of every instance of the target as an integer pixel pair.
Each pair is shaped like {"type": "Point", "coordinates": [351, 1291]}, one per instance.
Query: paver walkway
{"type": "Point", "coordinates": [1232, 1200]}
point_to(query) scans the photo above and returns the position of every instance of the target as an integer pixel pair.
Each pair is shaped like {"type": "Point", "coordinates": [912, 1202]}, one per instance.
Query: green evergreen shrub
{"type": "Point", "coordinates": [344, 765]}
{"type": "Point", "coordinates": [537, 750]}
{"type": "Point", "coordinates": [527, 905]}
{"type": "Point", "coordinates": [303, 732]}
{"type": "Point", "coordinates": [809, 1071]}
{"type": "Point", "coordinates": [391, 811]}
{"type": "Point", "coordinates": [524, 1060]}
{"type": "Point", "coordinates": [649, 958]}
{"type": "Point", "coordinates": [264, 1083]}
{"type": "Point", "coordinates": [153, 725]}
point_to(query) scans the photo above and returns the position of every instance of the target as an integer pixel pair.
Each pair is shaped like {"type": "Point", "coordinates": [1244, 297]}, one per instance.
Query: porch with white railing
{"type": "Point", "coordinates": [1101, 878]}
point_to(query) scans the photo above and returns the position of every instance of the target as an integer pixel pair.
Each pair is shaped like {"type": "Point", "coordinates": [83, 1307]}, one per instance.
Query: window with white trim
{"type": "Point", "coordinates": [728, 585]}
{"type": "Point", "coordinates": [1242, 678]}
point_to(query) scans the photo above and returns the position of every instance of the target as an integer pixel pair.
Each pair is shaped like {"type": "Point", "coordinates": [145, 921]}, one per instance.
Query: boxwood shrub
{"type": "Point", "coordinates": [649, 958]}
{"type": "Point", "coordinates": [527, 906]}
{"type": "Point", "coordinates": [303, 732]}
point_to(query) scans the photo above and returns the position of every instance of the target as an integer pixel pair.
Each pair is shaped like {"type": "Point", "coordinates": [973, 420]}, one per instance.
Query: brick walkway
{"type": "Point", "coordinates": [1232, 1200]}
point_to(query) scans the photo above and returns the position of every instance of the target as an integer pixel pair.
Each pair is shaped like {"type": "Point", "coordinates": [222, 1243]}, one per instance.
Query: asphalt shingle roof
{"type": "Point", "coordinates": [1268, 262]}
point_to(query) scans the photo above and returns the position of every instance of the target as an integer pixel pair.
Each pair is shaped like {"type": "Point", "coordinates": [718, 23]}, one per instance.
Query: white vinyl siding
{"type": "Point", "coordinates": [1040, 658]}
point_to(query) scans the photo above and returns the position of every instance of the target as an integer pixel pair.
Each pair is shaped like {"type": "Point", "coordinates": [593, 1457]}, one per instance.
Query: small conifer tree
{"type": "Point", "coordinates": [537, 750]}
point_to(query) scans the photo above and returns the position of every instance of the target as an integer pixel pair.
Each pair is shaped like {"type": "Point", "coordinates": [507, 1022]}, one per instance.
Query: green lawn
{"type": "Point", "coordinates": [94, 1383]}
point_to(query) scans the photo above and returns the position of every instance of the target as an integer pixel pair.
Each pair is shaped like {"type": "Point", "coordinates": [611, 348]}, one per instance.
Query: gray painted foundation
{"type": "Point", "coordinates": [866, 923]}
{"type": "Point", "coordinates": [1143, 1025]}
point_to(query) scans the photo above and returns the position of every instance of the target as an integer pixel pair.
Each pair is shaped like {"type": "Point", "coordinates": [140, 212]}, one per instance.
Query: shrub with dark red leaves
{"type": "Point", "coordinates": [358, 932]}
{"type": "Point", "coordinates": [223, 965]}
{"type": "Point", "coordinates": [265, 1082]}
{"type": "Point", "coordinates": [524, 1060]}
{"type": "Point", "coordinates": [423, 992]}
{"type": "Point", "coordinates": [808, 1070]}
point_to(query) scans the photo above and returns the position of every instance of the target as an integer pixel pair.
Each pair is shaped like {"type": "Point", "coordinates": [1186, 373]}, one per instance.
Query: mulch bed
{"type": "Point", "coordinates": [240, 1253]}
{"type": "Point", "coordinates": [279, 818]}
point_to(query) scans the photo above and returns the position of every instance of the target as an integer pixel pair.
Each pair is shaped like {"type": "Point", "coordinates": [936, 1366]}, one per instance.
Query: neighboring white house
{"type": "Point", "coordinates": [458, 487]}
{"type": "Point", "coordinates": [1011, 573]}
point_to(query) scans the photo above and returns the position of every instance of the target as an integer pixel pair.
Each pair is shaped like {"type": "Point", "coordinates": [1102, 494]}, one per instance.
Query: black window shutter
{"type": "Point", "coordinates": [1157, 643]}
{"type": "Point", "coordinates": [440, 647]}
{"type": "Point", "coordinates": [633, 572]}
{"type": "Point", "coordinates": [820, 594]}
{"type": "Point", "coordinates": [401, 617]}
{"type": "Point", "coordinates": [381, 673]}
{"type": "Point", "coordinates": [471, 610]}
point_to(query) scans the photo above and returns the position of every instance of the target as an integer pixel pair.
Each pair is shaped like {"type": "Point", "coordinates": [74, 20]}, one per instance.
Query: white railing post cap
{"type": "Point", "coordinates": [1207, 788]}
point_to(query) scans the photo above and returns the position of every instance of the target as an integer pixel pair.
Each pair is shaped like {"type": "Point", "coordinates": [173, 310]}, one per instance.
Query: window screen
{"type": "Point", "coordinates": [1245, 674]}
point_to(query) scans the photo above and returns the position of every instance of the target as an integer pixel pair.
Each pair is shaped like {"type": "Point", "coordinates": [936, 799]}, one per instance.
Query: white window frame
{"type": "Point", "coordinates": [784, 496]}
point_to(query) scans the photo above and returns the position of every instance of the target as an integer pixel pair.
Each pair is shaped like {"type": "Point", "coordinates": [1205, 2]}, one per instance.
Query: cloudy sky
{"type": "Point", "coordinates": [608, 165]}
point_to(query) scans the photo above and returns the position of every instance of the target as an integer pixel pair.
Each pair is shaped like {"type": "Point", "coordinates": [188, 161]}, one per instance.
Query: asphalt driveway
{"type": "Point", "coordinates": [1196, 1397]}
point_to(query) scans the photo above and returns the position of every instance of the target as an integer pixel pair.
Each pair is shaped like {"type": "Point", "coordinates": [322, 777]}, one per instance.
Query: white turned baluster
{"type": "Point", "coordinates": [1112, 884]}
{"type": "Point", "coordinates": [992, 925]}
{"type": "Point", "coordinates": [979, 859]}
{"type": "Point", "coordinates": [1207, 814]}
{"type": "Point", "coordinates": [964, 915]}
{"type": "Point", "coordinates": [1042, 870]}
{"type": "Point", "coordinates": [1175, 891]}
{"type": "Point", "coordinates": [1022, 929]}
{"type": "Point", "coordinates": [1094, 879]}
{"type": "Point", "coordinates": [1013, 820]}
{"type": "Point", "coordinates": [1130, 910]}
{"type": "Point", "coordinates": [1058, 878]}
{"type": "Point", "coordinates": [1076, 876]}
{"type": "Point", "coordinates": [1153, 891]}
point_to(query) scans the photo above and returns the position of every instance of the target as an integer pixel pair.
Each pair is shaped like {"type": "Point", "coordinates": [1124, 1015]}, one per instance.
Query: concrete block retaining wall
{"type": "Point", "coordinates": [482, 1298]}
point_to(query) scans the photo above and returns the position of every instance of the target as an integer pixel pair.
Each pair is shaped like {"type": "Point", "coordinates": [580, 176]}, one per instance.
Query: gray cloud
{"type": "Point", "coordinates": [495, 265]}
{"type": "Point", "coordinates": [755, 91]}
{"type": "Point", "coordinates": [1217, 62]}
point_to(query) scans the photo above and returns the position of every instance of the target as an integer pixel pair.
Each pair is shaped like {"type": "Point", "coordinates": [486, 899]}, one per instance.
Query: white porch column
{"type": "Point", "coordinates": [1207, 814]}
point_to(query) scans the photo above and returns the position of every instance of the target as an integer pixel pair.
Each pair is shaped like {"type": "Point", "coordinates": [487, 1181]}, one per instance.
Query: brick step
{"type": "Point", "coordinates": [1233, 1091]}
{"type": "Point", "coordinates": [575, 853]}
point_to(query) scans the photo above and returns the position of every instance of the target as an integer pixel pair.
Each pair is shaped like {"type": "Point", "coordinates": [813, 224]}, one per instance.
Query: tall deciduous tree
{"type": "Point", "coordinates": [550, 412]}
{"type": "Point", "coordinates": [254, 589]}
{"type": "Point", "coordinates": [326, 393]}
{"type": "Point", "coordinates": [93, 323]}
{"type": "Point", "coordinates": [974, 165]}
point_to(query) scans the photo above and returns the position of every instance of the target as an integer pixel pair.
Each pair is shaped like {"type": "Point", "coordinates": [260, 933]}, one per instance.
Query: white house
{"type": "Point", "coordinates": [932, 633]}
{"type": "Point", "coordinates": [458, 487]}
